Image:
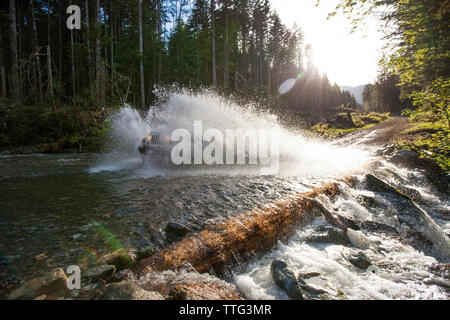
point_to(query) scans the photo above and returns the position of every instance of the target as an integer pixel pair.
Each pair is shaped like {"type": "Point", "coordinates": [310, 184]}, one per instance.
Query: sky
{"type": "Point", "coordinates": [347, 59]}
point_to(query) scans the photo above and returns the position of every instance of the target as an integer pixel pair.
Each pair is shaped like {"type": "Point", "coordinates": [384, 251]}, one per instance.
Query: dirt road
{"type": "Point", "coordinates": [384, 133]}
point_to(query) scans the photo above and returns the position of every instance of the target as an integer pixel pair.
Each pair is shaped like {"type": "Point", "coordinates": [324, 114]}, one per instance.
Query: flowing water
{"type": "Point", "coordinates": [59, 210]}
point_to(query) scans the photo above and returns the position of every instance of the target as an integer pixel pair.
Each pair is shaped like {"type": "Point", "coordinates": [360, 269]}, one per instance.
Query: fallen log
{"type": "Point", "coordinates": [252, 231]}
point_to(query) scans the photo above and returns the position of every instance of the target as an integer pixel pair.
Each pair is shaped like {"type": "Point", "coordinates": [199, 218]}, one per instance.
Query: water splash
{"type": "Point", "coordinates": [299, 155]}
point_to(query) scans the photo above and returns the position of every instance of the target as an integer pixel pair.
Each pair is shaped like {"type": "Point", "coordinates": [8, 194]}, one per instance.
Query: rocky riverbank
{"type": "Point", "coordinates": [200, 265]}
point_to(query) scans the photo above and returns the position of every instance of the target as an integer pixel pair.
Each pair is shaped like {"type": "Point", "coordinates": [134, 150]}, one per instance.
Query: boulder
{"type": "Point", "coordinates": [312, 291]}
{"type": "Point", "coordinates": [101, 272]}
{"type": "Point", "coordinates": [373, 226]}
{"type": "Point", "coordinates": [128, 291]}
{"type": "Point", "coordinates": [367, 201]}
{"type": "Point", "coordinates": [90, 291]}
{"type": "Point", "coordinates": [327, 234]}
{"type": "Point", "coordinates": [407, 158]}
{"type": "Point", "coordinates": [360, 260]}
{"type": "Point", "coordinates": [204, 291]}
{"type": "Point", "coordinates": [123, 275]}
{"type": "Point", "coordinates": [434, 173]}
{"type": "Point", "coordinates": [376, 184]}
{"type": "Point", "coordinates": [142, 246]}
{"type": "Point", "coordinates": [52, 284]}
{"type": "Point", "coordinates": [177, 230]}
{"type": "Point", "coordinates": [285, 279]}
{"type": "Point", "coordinates": [121, 259]}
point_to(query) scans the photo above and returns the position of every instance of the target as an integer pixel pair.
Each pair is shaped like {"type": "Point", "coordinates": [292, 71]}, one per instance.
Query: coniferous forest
{"type": "Point", "coordinates": [124, 50]}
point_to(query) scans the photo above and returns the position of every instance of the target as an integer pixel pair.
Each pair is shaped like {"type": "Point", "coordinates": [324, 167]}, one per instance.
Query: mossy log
{"type": "Point", "coordinates": [252, 231]}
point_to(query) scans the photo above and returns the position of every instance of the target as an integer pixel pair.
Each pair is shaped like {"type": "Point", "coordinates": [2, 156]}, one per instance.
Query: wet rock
{"type": "Point", "coordinates": [368, 202]}
{"type": "Point", "coordinates": [145, 252]}
{"type": "Point", "coordinates": [124, 275]}
{"type": "Point", "coordinates": [157, 238]}
{"type": "Point", "coordinates": [90, 291]}
{"type": "Point", "coordinates": [327, 234]}
{"type": "Point", "coordinates": [177, 230]}
{"type": "Point", "coordinates": [347, 223]}
{"type": "Point", "coordinates": [121, 259]}
{"type": "Point", "coordinates": [204, 291]}
{"type": "Point", "coordinates": [308, 275]}
{"type": "Point", "coordinates": [376, 184]}
{"type": "Point", "coordinates": [434, 173]}
{"type": "Point", "coordinates": [143, 248]}
{"type": "Point", "coordinates": [406, 157]}
{"type": "Point", "coordinates": [387, 150]}
{"type": "Point", "coordinates": [373, 226]}
{"type": "Point", "coordinates": [101, 272]}
{"type": "Point", "coordinates": [330, 217]}
{"type": "Point", "coordinates": [285, 279]}
{"type": "Point", "coordinates": [441, 270]}
{"type": "Point", "coordinates": [307, 289]}
{"type": "Point", "coordinates": [128, 291]}
{"type": "Point", "coordinates": [53, 284]}
{"type": "Point", "coordinates": [360, 260]}
{"type": "Point", "coordinates": [413, 194]}
{"type": "Point", "coordinates": [311, 290]}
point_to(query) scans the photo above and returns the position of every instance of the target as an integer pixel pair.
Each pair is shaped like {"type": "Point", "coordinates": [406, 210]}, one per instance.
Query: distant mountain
{"type": "Point", "coordinates": [356, 91]}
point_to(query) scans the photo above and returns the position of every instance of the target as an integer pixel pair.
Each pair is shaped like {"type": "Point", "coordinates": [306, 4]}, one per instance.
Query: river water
{"type": "Point", "coordinates": [60, 210]}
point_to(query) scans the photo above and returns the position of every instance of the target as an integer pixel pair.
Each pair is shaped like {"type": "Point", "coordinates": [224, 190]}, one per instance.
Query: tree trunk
{"type": "Point", "coordinates": [141, 55]}
{"type": "Point", "coordinates": [88, 41]}
{"type": "Point", "coordinates": [98, 53]}
{"type": "Point", "coordinates": [159, 41]}
{"type": "Point", "coordinates": [112, 38]}
{"type": "Point", "coordinates": [73, 61]}
{"type": "Point", "coordinates": [20, 51]}
{"type": "Point", "coordinates": [213, 27]}
{"type": "Point", "coordinates": [14, 78]}
{"type": "Point", "coordinates": [226, 49]}
{"type": "Point", "coordinates": [49, 70]}
{"type": "Point", "coordinates": [2, 67]}
{"type": "Point", "coordinates": [48, 23]}
{"type": "Point", "coordinates": [36, 51]}
{"type": "Point", "coordinates": [61, 13]}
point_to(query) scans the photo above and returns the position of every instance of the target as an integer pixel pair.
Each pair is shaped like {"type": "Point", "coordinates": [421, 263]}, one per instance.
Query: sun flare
{"type": "Point", "coordinates": [347, 58]}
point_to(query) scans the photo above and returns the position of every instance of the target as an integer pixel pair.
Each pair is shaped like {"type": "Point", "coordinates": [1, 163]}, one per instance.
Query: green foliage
{"type": "Point", "coordinates": [434, 100]}
{"type": "Point", "coordinates": [420, 59]}
{"type": "Point", "coordinates": [64, 129]}
{"type": "Point", "coordinates": [429, 136]}
{"type": "Point", "coordinates": [334, 129]}
{"type": "Point", "coordinates": [436, 147]}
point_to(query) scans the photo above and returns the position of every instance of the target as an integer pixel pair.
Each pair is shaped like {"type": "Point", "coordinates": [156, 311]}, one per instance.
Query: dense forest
{"type": "Point", "coordinates": [61, 84]}
{"type": "Point", "coordinates": [125, 48]}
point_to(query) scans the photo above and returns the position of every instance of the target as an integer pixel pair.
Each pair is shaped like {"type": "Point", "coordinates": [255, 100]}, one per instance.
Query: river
{"type": "Point", "coordinates": [60, 210]}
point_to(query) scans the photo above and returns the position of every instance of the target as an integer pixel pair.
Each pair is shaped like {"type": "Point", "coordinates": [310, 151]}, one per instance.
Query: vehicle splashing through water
{"type": "Point", "coordinates": [298, 154]}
